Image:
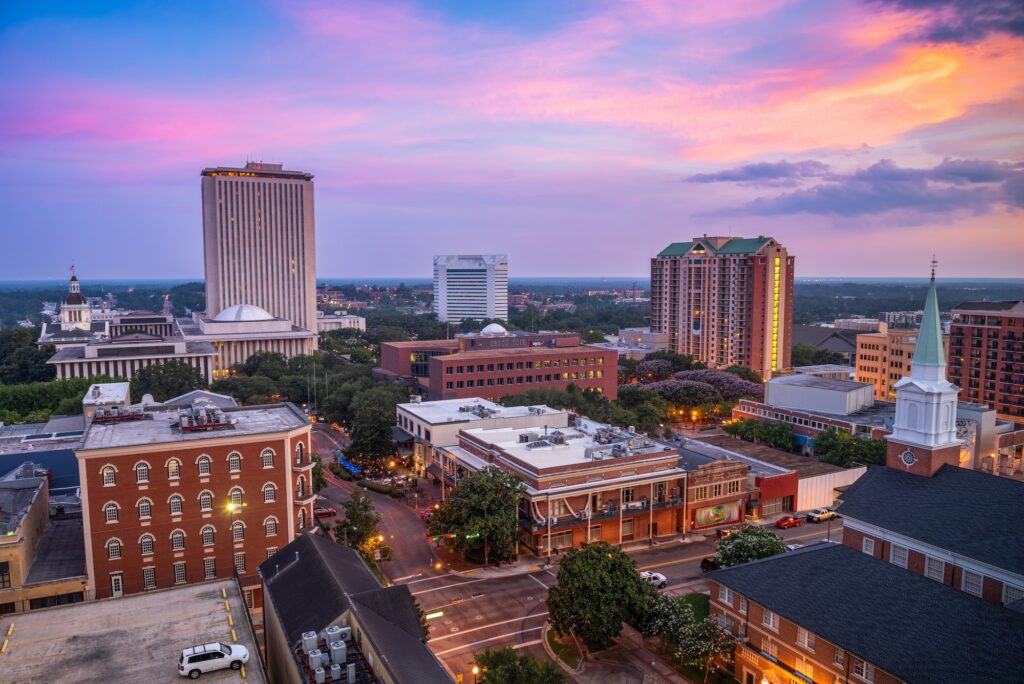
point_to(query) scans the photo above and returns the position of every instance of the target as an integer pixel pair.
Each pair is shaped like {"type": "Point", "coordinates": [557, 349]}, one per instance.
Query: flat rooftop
{"type": "Point", "coordinates": [61, 553]}
{"type": "Point", "coordinates": [803, 465]}
{"type": "Point", "coordinates": [542, 449]}
{"type": "Point", "coordinates": [159, 427]}
{"type": "Point", "coordinates": [16, 497]}
{"type": "Point", "coordinates": [135, 638]}
{"type": "Point", "coordinates": [697, 453]}
{"type": "Point", "coordinates": [128, 350]}
{"type": "Point", "coordinates": [817, 382]}
{"type": "Point", "coordinates": [824, 368]}
{"type": "Point", "coordinates": [469, 410]}
{"type": "Point", "coordinates": [106, 393]}
{"type": "Point", "coordinates": [523, 351]}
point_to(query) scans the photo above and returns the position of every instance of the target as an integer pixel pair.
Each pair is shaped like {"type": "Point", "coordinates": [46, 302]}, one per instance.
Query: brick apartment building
{"type": "Point", "coordinates": [986, 354]}
{"type": "Point", "coordinates": [726, 301]}
{"type": "Point", "coordinates": [178, 495]}
{"type": "Point", "coordinates": [883, 358]}
{"type": "Point", "coordinates": [495, 363]}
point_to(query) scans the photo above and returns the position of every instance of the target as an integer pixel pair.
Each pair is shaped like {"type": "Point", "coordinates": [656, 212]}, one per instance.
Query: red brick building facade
{"type": "Point", "coordinates": [986, 355]}
{"type": "Point", "coordinates": [163, 506]}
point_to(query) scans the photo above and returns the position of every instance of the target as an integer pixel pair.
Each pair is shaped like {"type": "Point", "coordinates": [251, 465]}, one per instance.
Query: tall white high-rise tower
{"type": "Point", "coordinates": [471, 286]}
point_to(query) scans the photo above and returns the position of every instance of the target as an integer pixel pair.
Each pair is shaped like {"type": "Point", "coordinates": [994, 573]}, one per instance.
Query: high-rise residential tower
{"type": "Point", "coordinates": [986, 355]}
{"type": "Point", "coordinates": [471, 286]}
{"type": "Point", "coordinates": [727, 301]}
{"type": "Point", "coordinates": [258, 238]}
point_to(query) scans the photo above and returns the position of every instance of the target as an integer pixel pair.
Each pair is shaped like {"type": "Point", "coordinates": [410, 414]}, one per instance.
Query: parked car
{"type": "Point", "coordinates": [794, 547]}
{"type": "Point", "coordinates": [727, 531]}
{"type": "Point", "coordinates": [708, 564]}
{"type": "Point", "coordinates": [194, 661]}
{"type": "Point", "coordinates": [324, 511]}
{"type": "Point", "coordinates": [787, 521]}
{"type": "Point", "coordinates": [821, 515]}
{"type": "Point", "coordinates": [654, 578]}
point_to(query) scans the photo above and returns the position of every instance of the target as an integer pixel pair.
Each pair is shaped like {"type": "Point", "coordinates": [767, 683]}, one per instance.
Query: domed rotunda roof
{"type": "Point", "coordinates": [243, 312]}
{"type": "Point", "coordinates": [494, 329]}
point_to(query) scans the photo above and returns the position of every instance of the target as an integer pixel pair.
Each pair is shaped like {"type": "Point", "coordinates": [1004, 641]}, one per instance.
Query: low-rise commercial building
{"type": "Point", "coordinates": [124, 356]}
{"type": "Point", "coordinates": [326, 618]}
{"type": "Point", "coordinates": [174, 495]}
{"type": "Point", "coordinates": [339, 321]}
{"type": "Point", "coordinates": [495, 363]}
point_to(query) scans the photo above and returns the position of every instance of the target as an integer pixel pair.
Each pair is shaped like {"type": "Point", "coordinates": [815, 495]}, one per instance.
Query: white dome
{"type": "Point", "coordinates": [494, 329]}
{"type": "Point", "coordinates": [243, 312]}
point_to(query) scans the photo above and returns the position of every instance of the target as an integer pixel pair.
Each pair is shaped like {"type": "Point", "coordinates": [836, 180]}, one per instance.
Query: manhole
{"type": "Point", "coordinates": [454, 630]}
{"type": "Point", "coordinates": [479, 617]}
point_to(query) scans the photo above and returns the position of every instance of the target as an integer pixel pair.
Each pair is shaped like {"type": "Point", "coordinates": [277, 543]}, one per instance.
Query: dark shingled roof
{"type": "Point", "coordinates": [953, 510]}
{"type": "Point", "coordinates": [903, 623]}
{"type": "Point", "coordinates": [325, 581]}
{"type": "Point", "coordinates": [986, 306]}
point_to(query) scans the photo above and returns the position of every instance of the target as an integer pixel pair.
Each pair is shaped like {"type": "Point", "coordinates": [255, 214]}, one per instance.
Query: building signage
{"type": "Point", "coordinates": [719, 514]}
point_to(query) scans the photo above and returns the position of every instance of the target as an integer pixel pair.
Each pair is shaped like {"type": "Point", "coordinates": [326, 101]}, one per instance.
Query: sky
{"type": "Point", "coordinates": [579, 137]}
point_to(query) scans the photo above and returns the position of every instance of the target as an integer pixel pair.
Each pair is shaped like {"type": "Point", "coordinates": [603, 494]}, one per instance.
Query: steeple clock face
{"type": "Point", "coordinates": [908, 458]}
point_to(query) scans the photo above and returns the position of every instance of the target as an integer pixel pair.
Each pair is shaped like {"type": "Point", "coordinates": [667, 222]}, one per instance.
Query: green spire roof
{"type": "Point", "coordinates": [928, 351]}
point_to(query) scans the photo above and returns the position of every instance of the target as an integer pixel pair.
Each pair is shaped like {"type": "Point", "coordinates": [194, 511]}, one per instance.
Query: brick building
{"type": "Point", "coordinates": [178, 495]}
{"type": "Point", "coordinates": [986, 354]}
{"type": "Point", "coordinates": [883, 358]}
{"type": "Point", "coordinates": [495, 363]}
{"type": "Point", "coordinates": [726, 301]}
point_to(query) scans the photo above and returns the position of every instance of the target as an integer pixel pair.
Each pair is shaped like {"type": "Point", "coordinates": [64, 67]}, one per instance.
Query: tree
{"type": "Point", "coordinates": [373, 416]}
{"type": "Point", "coordinates": [166, 380]}
{"type": "Point", "coordinates": [593, 336]}
{"type": "Point", "coordinates": [21, 360]}
{"type": "Point", "coordinates": [844, 450]}
{"type": "Point", "coordinates": [319, 479]}
{"type": "Point", "coordinates": [703, 643]}
{"type": "Point", "coordinates": [360, 523]}
{"type": "Point", "coordinates": [598, 589]}
{"type": "Point", "coordinates": [482, 512]}
{"type": "Point", "coordinates": [809, 355]}
{"type": "Point", "coordinates": [744, 373]}
{"type": "Point", "coordinates": [775, 434]}
{"type": "Point", "coordinates": [508, 667]}
{"type": "Point", "coordinates": [270, 364]}
{"type": "Point", "coordinates": [747, 544]}
{"type": "Point", "coordinates": [670, 616]}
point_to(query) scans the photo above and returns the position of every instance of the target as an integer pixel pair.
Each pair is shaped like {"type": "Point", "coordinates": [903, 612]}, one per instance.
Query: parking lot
{"type": "Point", "coordinates": [135, 638]}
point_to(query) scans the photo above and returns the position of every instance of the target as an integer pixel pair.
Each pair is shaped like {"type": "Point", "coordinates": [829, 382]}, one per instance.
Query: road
{"type": "Point", "coordinates": [470, 613]}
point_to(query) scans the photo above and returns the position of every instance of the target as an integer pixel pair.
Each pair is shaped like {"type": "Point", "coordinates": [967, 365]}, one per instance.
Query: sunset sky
{"type": "Point", "coordinates": [578, 137]}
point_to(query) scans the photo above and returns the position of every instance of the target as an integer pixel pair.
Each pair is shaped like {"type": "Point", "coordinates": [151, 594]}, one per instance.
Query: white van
{"type": "Point", "coordinates": [209, 657]}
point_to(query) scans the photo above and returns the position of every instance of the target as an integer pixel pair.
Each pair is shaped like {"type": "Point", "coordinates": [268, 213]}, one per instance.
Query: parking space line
{"type": "Point", "coordinates": [534, 578]}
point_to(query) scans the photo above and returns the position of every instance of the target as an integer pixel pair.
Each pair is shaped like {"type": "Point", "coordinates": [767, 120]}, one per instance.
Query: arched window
{"type": "Point", "coordinates": [270, 526]}
{"type": "Point", "coordinates": [268, 458]}
{"type": "Point", "coordinates": [205, 501]}
{"type": "Point", "coordinates": [142, 472]}
{"type": "Point", "coordinates": [109, 476]}
{"type": "Point", "coordinates": [269, 493]}
{"type": "Point", "coordinates": [176, 502]}
{"type": "Point", "coordinates": [146, 544]}
{"type": "Point", "coordinates": [173, 469]}
{"type": "Point", "coordinates": [110, 512]}
{"type": "Point", "coordinates": [234, 461]}
{"type": "Point", "coordinates": [302, 518]}
{"type": "Point", "coordinates": [177, 540]}
{"type": "Point", "coordinates": [208, 533]}
{"type": "Point", "coordinates": [300, 452]}
{"type": "Point", "coordinates": [238, 531]}
{"type": "Point", "coordinates": [113, 549]}
{"type": "Point", "coordinates": [236, 496]}
{"type": "Point", "coordinates": [300, 488]}
{"type": "Point", "coordinates": [145, 507]}
{"type": "Point", "coordinates": [203, 465]}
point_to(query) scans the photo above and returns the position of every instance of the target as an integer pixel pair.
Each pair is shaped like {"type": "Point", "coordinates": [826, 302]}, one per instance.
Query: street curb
{"type": "Point", "coordinates": [551, 653]}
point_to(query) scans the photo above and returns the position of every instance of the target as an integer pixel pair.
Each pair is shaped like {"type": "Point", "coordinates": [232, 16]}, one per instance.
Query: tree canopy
{"type": "Point", "coordinates": [166, 380]}
{"type": "Point", "coordinates": [842, 449]}
{"type": "Point", "coordinates": [747, 544]}
{"type": "Point", "coordinates": [373, 417]}
{"type": "Point", "coordinates": [703, 643]}
{"type": "Point", "coordinates": [360, 521]}
{"type": "Point", "coordinates": [482, 513]}
{"type": "Point", "coordinates": [598, 589]}
{"type": "Point", "coordinates": [809, 355]}
{"type": "Point", "coordinates": [21, 360]}
{"type": "Point", "coordinates": [509, 667]}
{"type": "Point", "coordinates": [774, 434]}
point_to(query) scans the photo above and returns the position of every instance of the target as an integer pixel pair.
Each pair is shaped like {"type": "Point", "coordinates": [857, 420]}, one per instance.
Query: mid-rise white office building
{"type": "Point", "coordinates": [471, 286]}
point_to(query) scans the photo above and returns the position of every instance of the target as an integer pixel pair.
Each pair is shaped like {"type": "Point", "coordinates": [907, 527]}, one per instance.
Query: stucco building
{"type": "Point", "coordinates": [883, 358]}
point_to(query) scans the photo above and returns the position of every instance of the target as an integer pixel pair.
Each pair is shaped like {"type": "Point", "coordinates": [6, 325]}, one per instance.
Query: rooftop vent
{"type": "Point", "coordinates": [201, 417]}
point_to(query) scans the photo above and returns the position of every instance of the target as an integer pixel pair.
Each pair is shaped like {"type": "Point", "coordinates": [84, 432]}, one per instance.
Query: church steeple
{"type": "Point", "coordinates": [929, 350]}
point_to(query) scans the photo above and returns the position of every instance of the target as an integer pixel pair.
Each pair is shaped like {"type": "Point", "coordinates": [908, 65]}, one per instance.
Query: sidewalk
{"type": "Point", "coordinates": [631, 644]}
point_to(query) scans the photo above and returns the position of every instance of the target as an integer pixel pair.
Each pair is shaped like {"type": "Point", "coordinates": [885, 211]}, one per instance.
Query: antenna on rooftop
{"type": "Point", "coordinates": [934, 265]}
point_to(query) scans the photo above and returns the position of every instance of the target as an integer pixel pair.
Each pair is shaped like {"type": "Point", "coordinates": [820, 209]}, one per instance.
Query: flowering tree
{"type": "Point", "coordinates": [730, 386]}
{"type": "Point", "coordinates": [669, 618]}
{"type": "Point", "coordinates": [652, 371]}
{"type": "Point", "coordinates": [703, 643]}
{"type": "Point", "coordinates": [687, 393]}
{"type": "Point", "coordinates": [747, 544]}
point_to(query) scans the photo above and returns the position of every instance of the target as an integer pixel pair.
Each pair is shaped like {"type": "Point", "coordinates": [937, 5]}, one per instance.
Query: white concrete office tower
{"type": "Point", "coordinates": [471, 286]}
{"type": "Point", "coordinates": [258, 239]}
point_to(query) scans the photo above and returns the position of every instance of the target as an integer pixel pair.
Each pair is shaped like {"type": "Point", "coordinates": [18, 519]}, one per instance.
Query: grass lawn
{"type": "Point", "coordinates": [566, 652]}
{"type": "Point", "coordinates": [700, 604]}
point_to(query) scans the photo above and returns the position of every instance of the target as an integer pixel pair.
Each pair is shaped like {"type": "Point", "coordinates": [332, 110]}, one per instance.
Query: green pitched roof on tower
{"type": "Point", "coordinates": [929, 351]}
{"type": "Point", "coordinates": [732, 246]}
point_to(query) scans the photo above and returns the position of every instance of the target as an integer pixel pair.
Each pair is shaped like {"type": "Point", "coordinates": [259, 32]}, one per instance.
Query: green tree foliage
{"type": "Point", "coordinates": [319, 479]}
{"type": "Point", "coordinates": [747, 544]}
{"type": "Point", "coordinates": [593, 337]}
{"type": "Point", "coordinates": [744, 373]}
{"type": "Point", "coordinates": [637, 407]}
{"type": "Point", "coordinates": [37, 401]}
{"type": "Point", "coordinates": [669, 618]}
{"type": "Point", "coordinates": [373, 416]}
{"type": "Point", "coordinates": [774, 434]}
{"type": "Point", "coordinates": [482, 513]}
{"type": "Point", "coordinates": [509, 667]}
{"type": "Point", "coordinates": [703, 643]}
{"type": "Point", "coordinates": [360, 522]}
{"type": "Point", "coordinates": [598, 589]}
{"type": "Point", "coordinates": [842, 449]}
{"type": "Point", "coordinates": [20, 360]}
{"type": "Point", "coordinates": [809, 355]}
{"type": "Point", "coordinates": [268, 364]}
{"type": "Point", "coordinates": [166, 380]}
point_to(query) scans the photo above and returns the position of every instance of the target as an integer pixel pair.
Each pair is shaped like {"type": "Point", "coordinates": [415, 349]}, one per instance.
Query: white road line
{"type": "Point", "coordinates": [461, 573]}
{"type": "Point", "coordinates": [484, 641]}
{"type": "Point", "coordinates": [493, 624]}
{"type": "Point", "coordinates": [399, 579]}
{"type": "Point", "coordinates": [538, 581]}
{"type": "Point", "coordinates": [449, 586]}
{"type": "Point", "coordinates": [528, 643]}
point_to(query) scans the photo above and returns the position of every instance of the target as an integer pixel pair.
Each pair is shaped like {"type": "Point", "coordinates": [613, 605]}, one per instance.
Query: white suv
{"type": "Point", "coordinates": [209, 657]}
{"type": "Point", "coordinates": [654, 578]}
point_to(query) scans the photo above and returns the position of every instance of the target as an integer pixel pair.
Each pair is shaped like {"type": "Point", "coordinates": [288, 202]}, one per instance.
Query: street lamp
{"type": "Point", "coordinates": [476, 671]}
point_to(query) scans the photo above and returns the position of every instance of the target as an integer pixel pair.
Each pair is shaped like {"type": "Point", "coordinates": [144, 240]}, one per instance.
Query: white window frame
{"type": "Point", "coordinates": [142, 467]}
{"type": "Point", "coordinates": [112, 472]}
{"type": "Point", "coordinates": [176, 498]}
{"type": "Point", "coordinates": [725, 594]}
{"type": "Point", "coordinates": [240, 496]}
{"type": "Point", "coordinates": [200, 497]}
{"type": "Point", "coordinates": [770, 620]}
{"type": "Point", "coordinates": [202, 461]}
{"type": "Point", "coordinates": [114, 543]}
{"type": "Point", "coordinates": [175, 544]}
{"type": "Point", "coordinates": [270, 527]}
{"type": "Point", "coordinates": [176, 475]}
{"type": "Point", "coordinates": [149, 578]}
{"type": "Point", "coordinates": [1012, 593]}
{"type": "Point", "coordinates": [144, 501]}
{"type": "Point", "coordinates": [267, 457]}
{"type": "Point", "coordinates": [867, 670]}
{"type": "Point", "coordinates": [212, 535]}
{"type": "Point", "coordinates": [111, 507]}
{"type": "Point", "coordinates": [180, 573]}
{"type": "Point", "coordinates": [269, 493]}
{"type": "Point", "coordinates": [743, 605]}
{"type": "Point", "coordinates": [838, 658]}
{"type": "Point", "coordinates": [238, 531]}
{"type": "Point", "coordinates": [931, 564]}
{"type": "Point", "coordinates": [899, 555]}
{"type": "Point", "coordinates": [239, 561]}
{"type": "Point", "coordinates": [209, 568]}
{"type": "Point", "coordinates": [968, 577]}
{"type": "Point", "coordinates": [868, 546]}
{"type": "Point", "coordinates": [143, 541]}
{"type": "Point", "coordinates": [234, 460]}
{"type": "Point", "coordinates": [805, 639]}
